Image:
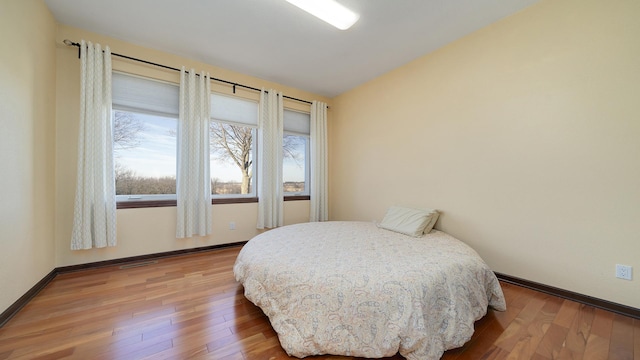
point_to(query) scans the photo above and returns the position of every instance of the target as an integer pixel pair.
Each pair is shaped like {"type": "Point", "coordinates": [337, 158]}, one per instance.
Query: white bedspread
{"type": "Point", "coordinates": [349, 288]}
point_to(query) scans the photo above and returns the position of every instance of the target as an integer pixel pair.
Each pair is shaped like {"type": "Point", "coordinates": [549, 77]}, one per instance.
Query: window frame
{"type": "Point", "coordinates": [228, 198]}
{"type": "Point", "coordinates": [123, 200]}
{"type": "Point", "coordinates": [305, 195]}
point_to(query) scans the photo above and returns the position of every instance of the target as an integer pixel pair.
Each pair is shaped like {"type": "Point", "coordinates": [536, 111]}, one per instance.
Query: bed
{"type": "Point", "coordinates": [354, 289]}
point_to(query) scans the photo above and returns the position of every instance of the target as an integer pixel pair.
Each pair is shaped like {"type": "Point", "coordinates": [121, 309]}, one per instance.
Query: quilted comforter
{"type": "Point", "coordinates": [350, 288]}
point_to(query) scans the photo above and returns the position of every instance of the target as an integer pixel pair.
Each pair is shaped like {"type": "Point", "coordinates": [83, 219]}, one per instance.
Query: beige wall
{"type": "Point", "coordinates": [150, 230]}
{"type": "Point", "coordinates": [27, 122]}
{"type": "Point", "coordinates": [525, 134]}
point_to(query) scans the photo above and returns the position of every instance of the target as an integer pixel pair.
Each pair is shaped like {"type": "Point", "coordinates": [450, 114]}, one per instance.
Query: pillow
{"type": "Point", "coordinates": [433, 214]}
{"type": "Point", "coordinates": [412, 222]}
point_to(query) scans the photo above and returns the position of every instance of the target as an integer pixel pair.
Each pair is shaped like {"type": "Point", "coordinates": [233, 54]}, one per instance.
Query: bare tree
{"type": "Point", "coordinates": [289, 145]}
{"type": "Point", "coordinates": [126, 130]}
{"type": "Point", "coordinates": [232, 143]}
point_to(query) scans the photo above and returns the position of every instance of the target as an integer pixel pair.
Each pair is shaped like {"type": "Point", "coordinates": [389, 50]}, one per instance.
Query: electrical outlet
{"type": "Point", "coordinates": [232, 225]}
{"type": "Point", "coordinates": [624, 272]}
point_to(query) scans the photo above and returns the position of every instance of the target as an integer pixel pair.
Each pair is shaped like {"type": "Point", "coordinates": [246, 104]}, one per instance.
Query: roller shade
{"type": "Point", "coordinates": [297, 122]}
{"type": "Point", "coordinates": [234, 110]}
{"type": "Point", "coordinates": [135, 93]}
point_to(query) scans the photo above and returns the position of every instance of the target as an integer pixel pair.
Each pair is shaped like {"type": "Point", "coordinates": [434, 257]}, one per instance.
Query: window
{"type": "Point", "coordinates": [145, 121]}
{"type": "Point", "coordinates": [233, 133]}
{"type": "Point", "coordinates": [145, 138]}
{"type": "Point", "coordinates": [296, 172]}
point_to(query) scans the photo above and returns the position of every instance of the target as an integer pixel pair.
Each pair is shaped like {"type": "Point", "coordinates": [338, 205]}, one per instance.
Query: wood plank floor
{"type": "Point", "coordinates": [191, 307]}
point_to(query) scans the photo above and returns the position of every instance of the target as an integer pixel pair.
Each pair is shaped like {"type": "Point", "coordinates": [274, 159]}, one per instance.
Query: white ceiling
{"type": "Point", "coordinates": [276, 41]}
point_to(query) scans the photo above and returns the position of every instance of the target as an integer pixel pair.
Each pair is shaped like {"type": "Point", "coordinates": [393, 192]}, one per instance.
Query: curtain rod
{"type": "Point", "coordinates": [71, 43]}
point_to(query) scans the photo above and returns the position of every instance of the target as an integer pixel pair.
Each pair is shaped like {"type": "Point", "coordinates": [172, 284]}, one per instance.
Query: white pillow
{"type": "Point", "coordinates": [412, 222]}
{"type": "Point", "coordinates": [433, 215]}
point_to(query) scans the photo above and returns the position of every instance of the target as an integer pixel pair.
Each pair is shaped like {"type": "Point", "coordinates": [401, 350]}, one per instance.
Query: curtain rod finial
{"type": "Point", "coordinates": [69, 42]}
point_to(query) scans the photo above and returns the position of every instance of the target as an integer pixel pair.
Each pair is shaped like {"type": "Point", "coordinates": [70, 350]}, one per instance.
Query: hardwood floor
{"type": "Point", "coordinates": [191, 307]}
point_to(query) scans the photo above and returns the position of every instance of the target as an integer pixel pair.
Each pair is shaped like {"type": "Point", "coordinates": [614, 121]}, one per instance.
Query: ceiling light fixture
{"type": "Point", "coordinates": [329, 11]}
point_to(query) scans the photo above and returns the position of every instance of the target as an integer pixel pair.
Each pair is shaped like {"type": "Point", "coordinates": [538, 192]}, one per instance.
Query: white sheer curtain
{"type": "Point", "coordinates": [270, 132]}
{"type": "Point", "coordinates": [319, 209]}
{"type": "Point", "coordinates": [94, 214]}
{"type": "Point", "coordinates": [193, 181]}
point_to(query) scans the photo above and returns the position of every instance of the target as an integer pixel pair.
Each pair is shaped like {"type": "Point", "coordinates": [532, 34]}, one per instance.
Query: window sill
{"type": "Point", "coordinates": [135, 204]}
{"type": "Point", "coordinates": [218, 201]}
{"type": "Point", "coordinates": [297, 197]}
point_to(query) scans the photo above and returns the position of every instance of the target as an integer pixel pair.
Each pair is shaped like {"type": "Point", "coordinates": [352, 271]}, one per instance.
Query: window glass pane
{"type": "Point", "coordinates": [294, 172]}
{"type": "Point", "coordinates": [231, 157]}
{"type": "Point", "coordinates": [144, 153]}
